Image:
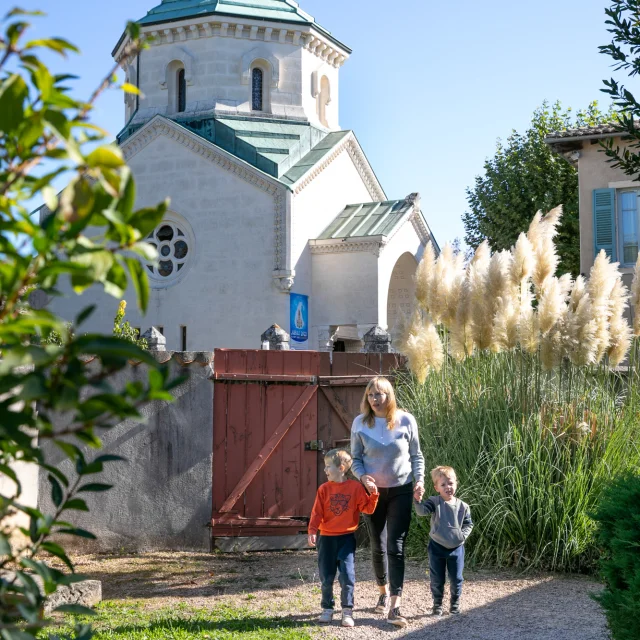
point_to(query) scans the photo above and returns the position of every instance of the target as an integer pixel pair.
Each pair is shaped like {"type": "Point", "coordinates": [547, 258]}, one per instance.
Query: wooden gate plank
{"type": "Point", "coordinates": [289, 448]}
{"type": "Point", "coordinates": [255, 438]}
{"type": "Point", "coordinates": [268, 448]}
{"type": "Point", "coordinates": [335, 403]}
{"type": "Point", "coordinates": [275, 412]}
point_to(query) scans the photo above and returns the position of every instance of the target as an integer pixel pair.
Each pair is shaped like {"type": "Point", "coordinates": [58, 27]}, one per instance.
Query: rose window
{"type": "Point", "coordinates": [172, 245]}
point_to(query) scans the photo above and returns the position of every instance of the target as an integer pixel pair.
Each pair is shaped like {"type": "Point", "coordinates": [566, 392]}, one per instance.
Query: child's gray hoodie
{"type": "Point", "coordinates": [450, 521]}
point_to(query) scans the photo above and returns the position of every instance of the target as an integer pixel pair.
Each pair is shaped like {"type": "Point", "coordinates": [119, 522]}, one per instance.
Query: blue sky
{"type": "Point", "coordinates": [430, 85]}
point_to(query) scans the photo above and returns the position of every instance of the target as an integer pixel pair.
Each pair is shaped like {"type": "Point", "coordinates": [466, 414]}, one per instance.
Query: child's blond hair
{"type": "Point", "coordinates": [339, 457]}
{"type": "Point", "coordinates": [447, 472]}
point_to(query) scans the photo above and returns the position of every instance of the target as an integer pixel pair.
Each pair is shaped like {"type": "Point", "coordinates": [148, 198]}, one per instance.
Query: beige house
{"type": "Point", "coordinates": [609, 199]}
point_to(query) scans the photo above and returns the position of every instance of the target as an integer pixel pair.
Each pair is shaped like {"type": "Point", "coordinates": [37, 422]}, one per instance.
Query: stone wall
{"type": "Point", "coordinates": [226, 296]}
{"type": "Point", "coordinates": [162, 494]}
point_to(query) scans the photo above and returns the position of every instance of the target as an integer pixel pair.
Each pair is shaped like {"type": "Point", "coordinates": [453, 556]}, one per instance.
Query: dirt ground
{"type": "Point", "coordinates": [496, 606]}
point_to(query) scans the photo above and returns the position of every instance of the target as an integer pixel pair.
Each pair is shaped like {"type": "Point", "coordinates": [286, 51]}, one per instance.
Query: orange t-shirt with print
{"type": "Point", "coordinates": [337, 508]}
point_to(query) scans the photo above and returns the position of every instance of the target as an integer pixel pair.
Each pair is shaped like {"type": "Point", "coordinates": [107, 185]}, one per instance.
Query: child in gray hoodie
{"type": "Point", "coordinates": [450, 527]}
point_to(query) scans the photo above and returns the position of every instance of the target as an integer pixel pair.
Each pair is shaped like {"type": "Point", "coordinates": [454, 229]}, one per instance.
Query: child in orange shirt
{"type": "Point", "coordinates": [335, 516]}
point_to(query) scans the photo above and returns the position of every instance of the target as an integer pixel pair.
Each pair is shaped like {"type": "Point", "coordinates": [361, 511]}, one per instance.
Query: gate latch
{"type": "Point", "coordinates": [314, 445]}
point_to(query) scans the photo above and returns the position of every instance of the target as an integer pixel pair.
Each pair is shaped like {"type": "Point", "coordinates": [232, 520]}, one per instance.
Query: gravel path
{"type": "Point", "coordinates": [496, 606]}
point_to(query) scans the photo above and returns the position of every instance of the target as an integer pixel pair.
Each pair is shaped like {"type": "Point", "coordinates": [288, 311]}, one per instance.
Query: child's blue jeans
{"type": "Point", "coordinates": [441, 560]}
{"type": "Point", "coordinates": [336, 554]}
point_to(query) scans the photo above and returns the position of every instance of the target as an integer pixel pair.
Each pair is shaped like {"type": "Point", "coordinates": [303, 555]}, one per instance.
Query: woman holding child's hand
{"type": "Point", "coordinates": [386, 454]}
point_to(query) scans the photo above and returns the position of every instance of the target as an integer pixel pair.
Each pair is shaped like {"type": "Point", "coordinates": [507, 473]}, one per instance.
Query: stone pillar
{"type": "Point", "coordinates": [155, 340]}
{"type": "Point", "coordinates": [377, 340]}
{"type": "Point", "coordinates": [325, 338]}
{"type": "Point", "coordinates": [277, 338]}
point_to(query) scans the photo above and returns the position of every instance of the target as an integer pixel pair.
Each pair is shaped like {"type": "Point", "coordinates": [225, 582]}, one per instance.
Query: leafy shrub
{"type": "Point", "coordinates": [122, 328]}
{"type": "Point", "coordinates": [45, 133]}
{"type": "Point", "coordinates": [618, 534]}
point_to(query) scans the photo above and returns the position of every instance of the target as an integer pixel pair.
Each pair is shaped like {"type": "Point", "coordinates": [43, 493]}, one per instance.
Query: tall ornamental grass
{"type": "Point", "coordinates": [515, 382]}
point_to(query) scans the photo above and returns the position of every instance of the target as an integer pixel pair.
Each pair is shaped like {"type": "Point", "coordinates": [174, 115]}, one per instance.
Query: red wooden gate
{"type": "Point", "coordinates": [274, 413]}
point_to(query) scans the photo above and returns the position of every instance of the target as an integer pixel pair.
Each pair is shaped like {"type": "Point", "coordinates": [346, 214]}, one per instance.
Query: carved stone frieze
{"type": "Point", "coordinates": [372, 246]}
{"type": "Point", "coordinates": [193, 29]}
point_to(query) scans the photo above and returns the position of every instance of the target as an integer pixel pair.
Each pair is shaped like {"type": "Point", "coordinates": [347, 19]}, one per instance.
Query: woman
{"type": "Point", "coordinates": [386, 453]}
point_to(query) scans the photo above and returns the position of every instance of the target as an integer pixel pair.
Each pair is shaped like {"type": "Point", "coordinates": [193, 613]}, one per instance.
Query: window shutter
{"type": "Point", "coordinates": [604, 222]}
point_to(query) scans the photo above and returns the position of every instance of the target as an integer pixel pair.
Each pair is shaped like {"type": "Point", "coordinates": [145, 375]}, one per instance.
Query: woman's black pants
{"type": "Point", "coordinates": [388, 527]}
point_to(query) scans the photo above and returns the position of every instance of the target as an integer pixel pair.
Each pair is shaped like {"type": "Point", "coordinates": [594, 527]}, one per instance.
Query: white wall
{"type": "Point", "coordinates": [227, 298]}
{"type": "Point", "coordinates": [214, 66]}
{"type": "Point", "coordinates": [314, 208]}
{"type": "Point", "coordinates": [311, 84]}
{"type": "Point", "coordinates": [402, 288]}
{"type": "Point", "coordinates": [405, 240]}
{"type": "Point", "coordinates": [345, 289]}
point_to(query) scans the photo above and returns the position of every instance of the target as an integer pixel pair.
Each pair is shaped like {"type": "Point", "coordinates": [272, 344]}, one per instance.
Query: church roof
{"type": "Point", "coordinates": [268, 10]}
{"type": "Point", "coordinates": [284, 149]}
{"type": "Point", "coordinates": [370, 219]}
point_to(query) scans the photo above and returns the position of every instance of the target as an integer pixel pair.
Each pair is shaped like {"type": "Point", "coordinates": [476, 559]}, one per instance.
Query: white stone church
{"type": "Point", "coordinates": [271, 201]}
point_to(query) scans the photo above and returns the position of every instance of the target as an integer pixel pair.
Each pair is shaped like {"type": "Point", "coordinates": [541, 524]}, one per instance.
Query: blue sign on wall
{"type": "Point", "coordinates": [299, 330]}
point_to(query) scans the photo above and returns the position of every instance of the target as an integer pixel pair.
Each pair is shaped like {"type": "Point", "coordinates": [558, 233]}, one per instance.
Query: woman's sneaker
{"type": "Point", "coordinates": [437, 610]}
{"type": "Point", "coordinates": [454, 609]}
{"type": "Point", "coordinates": [383, 603]}
{"type": "Point", "coordinates": [347, 618]}
{"type": "Point", "coordinates": [396, 619]}
{"type": "Point", "coordinates": [326, 616]}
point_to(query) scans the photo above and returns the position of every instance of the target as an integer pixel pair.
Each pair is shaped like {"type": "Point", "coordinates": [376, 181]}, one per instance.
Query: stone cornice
{"type": "Point", "coordinates": [373, 245]}
{"type": "Point", "coordinates": [420, 226]}
{"type": "Point", "coordinates": [305, 36]}
{"type": "Point", "coordinates": [349, 144]}
{"type": "Point", "coordinates": [160, 126]}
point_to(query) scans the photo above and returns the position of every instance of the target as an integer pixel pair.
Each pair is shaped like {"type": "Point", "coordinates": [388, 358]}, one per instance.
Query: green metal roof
{"type": "Point", "coordinates": [170, 10]}
{"type": "Point", "coordinates": [268, 10]}
{"type": "Point", "coordinates": [285, 150]}
{"type": "Point", "coordinates": [366, 220]}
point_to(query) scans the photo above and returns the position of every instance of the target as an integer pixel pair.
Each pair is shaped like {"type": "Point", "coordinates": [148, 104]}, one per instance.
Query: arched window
{"type": "Point", "coordinates": [176, 75]}
{"type": "Point", "coordinates": [182, 91]}
{"type": "Point", "coordinates": [257, 89]}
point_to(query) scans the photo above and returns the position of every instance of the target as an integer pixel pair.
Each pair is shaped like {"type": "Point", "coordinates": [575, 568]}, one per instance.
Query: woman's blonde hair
{"type": "Point", "coordinates": [381, 385]}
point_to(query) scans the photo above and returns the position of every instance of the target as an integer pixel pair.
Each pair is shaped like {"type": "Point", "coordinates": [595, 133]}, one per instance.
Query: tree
{"type": "Point", "coordinates": [45, 133]}
{"type": "Point", "coordinates": [623, 19]}
{"type": "Point", "coordinates": [525, 176]}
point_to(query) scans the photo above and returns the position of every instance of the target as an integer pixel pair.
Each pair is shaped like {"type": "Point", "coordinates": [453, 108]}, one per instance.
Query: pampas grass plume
{"type": "Point", "coordinates": [481, 316]}
{"type": "Point", "coordinates": [602, 280]}
{"type": "Point", "coordinates": [460, 339]}
{"type": "Point", "coordinates": [424, 277]}
{"type": "Point", "coordinates": [619, 330]}
{"type": "Point", "coordinates": [546, 262]}
{"type": "Point", "coordinates": [425, 352]}
{"type": "Point", "coordinates": [523, 261]}
{"type": "Point", "coordinates": [551, 303]}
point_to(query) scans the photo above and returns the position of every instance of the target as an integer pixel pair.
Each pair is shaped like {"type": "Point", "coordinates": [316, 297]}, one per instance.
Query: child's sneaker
{"type": "Point", "coordinates": [347, 618]}
{"type": "Point", "coordinates": [437, 610]}
{"type": "Point", "coordinates": [383, 603]}
{"type": "Point", "coordinates": [396, 618]}
{"type": "Point", "coordinates": [454, 609]}
{"type": "Point", "coordinates": [326, 616]}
